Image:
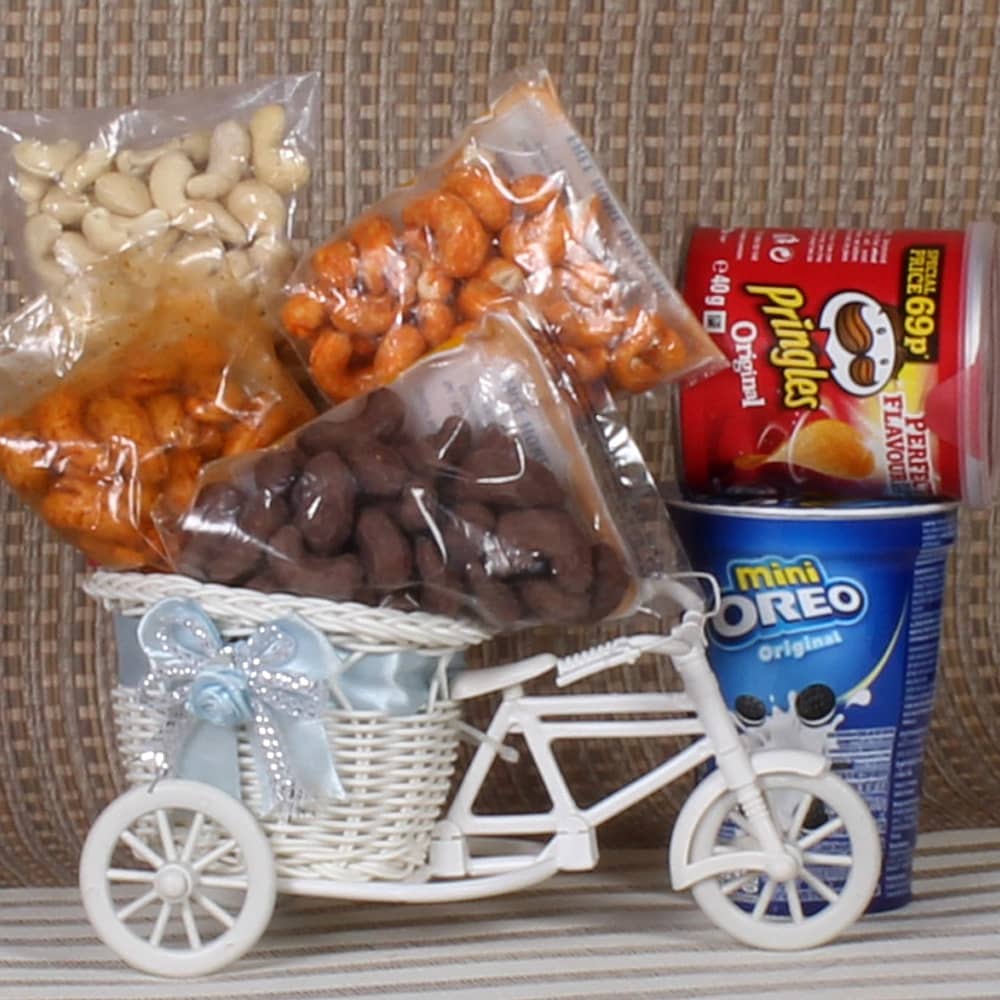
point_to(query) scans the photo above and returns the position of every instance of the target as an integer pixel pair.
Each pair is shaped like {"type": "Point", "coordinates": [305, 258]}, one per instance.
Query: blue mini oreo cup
{"type": "Point", "coordinates": [827, 639]}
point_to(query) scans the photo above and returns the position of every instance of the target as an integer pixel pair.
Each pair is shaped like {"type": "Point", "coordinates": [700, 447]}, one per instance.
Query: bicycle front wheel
{"type": "Point", "coordinates": [827, 828]}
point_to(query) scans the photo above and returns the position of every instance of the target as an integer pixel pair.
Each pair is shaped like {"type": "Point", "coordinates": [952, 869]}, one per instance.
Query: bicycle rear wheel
{"type": "Point", "coordinates": [178, 879]}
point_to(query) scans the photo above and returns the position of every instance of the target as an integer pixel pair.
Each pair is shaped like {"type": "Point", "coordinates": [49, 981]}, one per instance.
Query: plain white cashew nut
{"type": "Point", "coordinates": [85, 169]}
{"type": "Point", "coordinates": [137, 162]}
{"type": "Point", "coordinates": [43, 159]}
{"type": "Point", "coordinates": [168, 182]}
{"type": "Point", "coordinates": [272, 258]}
{"type": "Point", "coordinates": [40, 234]}
{"type": "Point", "coordinates": [69, 209]}
{"type": "Point", "coordinates": [30, 188]}
{"type": "Point", "coordinates": [110, 233]}
{"type": "Point", "coordinates": [160, 244]}
{"type": "Point", "coordinates": [209, 217]}
{"type": "Point", "coordinates": [197, 146]}
{"type": "Point", "coordinates": [283, 169]}
{"type": "Point", "coordinates": [102, 231]}
{"type": "Point", "coordinates": [258, 207]}
{"type": "Point", "coordinates": [200, 256]}
{"type": "Point", "coordinates": [168, 186]}
{"type": "Point", "coordinates": [241, 268]}
{"type": "Point", "coordinates": [145, 226]}
{"type": "Point", "coordinates": [123, 194]}
{"type": "Point", "coordinates": [74, 253]}
{"type": "Point", "coordinates": [227, 162]}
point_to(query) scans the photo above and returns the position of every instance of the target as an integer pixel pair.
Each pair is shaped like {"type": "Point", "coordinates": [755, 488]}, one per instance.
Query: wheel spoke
{"type": "Point", "coordinates": [140, 903]}
{"type": "Point", "coordinates": [764, 900]}
{"type": "Point", "coordinates": [736, 818]}
{"type": "Point", "coordinates": [159, 929]}
{"type": "Point", "coordinates": [141, 849]}
{"type": "Point", "coordinates": [225, 882]}
{"type": "Point", "coordinates": [734, 885]}
{"type": "Point", "coordinates": [130, 875]}
{"type": "Point", "coordinates": [187, 915]}
{"type": "Point", "coordinates": [219, 851]}
{"type": "Point", "coordinates": [193, 834]}
{"type": "Point", "coordinates": [214, 910]}
{"type": "Point", "coordinates": [794, 903]}
{"type": "Point", "coordinates": [733, 846]}
{"type": "Point", "coordinates": [818, 885]}
{"type": "Point", "coordinates": [829, 860]}
{"type": "Point", "coordinates": [166, 835]}
{"type": "Point", "coordinates": [820, 834]}
{"type": "Point", "coordinates": [801, 811]}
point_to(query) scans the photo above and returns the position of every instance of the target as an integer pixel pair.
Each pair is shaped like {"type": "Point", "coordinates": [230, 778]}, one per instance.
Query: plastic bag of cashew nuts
{"type": "Point", "coordinates": [116, 391]}
{"type": "Point", "coordinates": [218, 171]}
{"type": "Point", "coordinates": [516, 207]}
{"type": "Point", "coordinates": [473, 487]}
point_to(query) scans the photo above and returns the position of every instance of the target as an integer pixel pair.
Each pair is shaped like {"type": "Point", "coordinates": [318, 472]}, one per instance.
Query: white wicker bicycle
{"type": "Point", "coordinates": [180, 878]}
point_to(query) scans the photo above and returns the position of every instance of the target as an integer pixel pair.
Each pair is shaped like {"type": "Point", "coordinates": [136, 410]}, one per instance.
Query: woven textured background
{"type": "Point", "coordinates": [883, 114]}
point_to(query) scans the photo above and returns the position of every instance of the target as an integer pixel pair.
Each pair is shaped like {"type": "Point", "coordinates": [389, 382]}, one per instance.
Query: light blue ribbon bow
{"type": "Point", "coordinates": [272, 686]}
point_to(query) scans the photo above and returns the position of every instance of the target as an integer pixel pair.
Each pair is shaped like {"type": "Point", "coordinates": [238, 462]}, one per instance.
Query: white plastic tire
{"type": "Point", "coordinates": [198, 871]}
{"type": "Point", "coordinates": [829, 827]}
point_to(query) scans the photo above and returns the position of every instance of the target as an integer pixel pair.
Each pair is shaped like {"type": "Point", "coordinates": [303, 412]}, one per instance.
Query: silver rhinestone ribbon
{"type": "Point", "coordinates": [271, 687]}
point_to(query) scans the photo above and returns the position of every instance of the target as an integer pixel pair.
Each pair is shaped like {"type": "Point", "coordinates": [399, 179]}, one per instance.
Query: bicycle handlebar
{"type": "Point", "coordinates": [628, 649]}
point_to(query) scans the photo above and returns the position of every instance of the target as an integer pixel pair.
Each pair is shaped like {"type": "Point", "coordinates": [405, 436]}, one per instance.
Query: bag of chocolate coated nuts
{"type": "Point", "coordinates": [473, 487]}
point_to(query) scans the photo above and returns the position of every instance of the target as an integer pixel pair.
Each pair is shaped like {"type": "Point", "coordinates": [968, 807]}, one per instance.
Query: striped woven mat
{"type": "Point", "coordinates": [616, 932]}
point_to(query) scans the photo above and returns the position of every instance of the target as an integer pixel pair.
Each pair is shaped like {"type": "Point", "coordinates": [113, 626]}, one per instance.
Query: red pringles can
{"type": "Point", "coordinates": [860, 363]}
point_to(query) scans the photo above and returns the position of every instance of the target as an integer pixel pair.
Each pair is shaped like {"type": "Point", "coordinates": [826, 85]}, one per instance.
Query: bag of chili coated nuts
{"type": "Point", "coordinates": [470, 488]}
{"type": "Point", "coordinates": [115, 392]}
{"type": "Point", "coordinates": [516, 209]}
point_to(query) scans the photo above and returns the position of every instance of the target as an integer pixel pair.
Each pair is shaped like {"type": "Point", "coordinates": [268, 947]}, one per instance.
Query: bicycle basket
{"type": "Point", "coordinates": [396, 769]}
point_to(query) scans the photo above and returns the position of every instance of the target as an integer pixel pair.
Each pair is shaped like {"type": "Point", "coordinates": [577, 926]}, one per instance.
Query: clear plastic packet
{"type": "Point", "coordinates": [470, 488]}
{"type": "Point", "coordinates": [219, 170]}
{"type": "Point", "coordinates": [517, 207]}
{"type": "Point", "coordinates": [114, 394]}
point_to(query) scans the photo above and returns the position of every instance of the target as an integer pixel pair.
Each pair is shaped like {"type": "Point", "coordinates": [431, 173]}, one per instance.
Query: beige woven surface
{"type": "Point", "coordinates": [812, 112]}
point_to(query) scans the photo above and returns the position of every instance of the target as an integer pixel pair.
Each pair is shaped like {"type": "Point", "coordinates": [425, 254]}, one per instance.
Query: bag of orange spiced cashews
{"type": "Point", "coordinates": [516, 211]}
{"type": "Point", "coordinates": [117, 390]}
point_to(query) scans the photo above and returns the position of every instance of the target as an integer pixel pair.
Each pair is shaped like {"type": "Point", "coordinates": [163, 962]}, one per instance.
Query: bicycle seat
{"type": "Point", "coordinates": [474, 683]}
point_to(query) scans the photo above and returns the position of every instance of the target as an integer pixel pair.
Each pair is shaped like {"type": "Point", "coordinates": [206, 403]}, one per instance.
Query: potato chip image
{"type": "Point", "coordinates": [830, 447]}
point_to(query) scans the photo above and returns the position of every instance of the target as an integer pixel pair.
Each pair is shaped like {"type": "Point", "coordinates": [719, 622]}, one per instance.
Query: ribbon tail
{"type": "Point", "coordinates": [172, 731]}
{"type": "Point", "coordinates": [311, 760]}
{"type": "Point", "coordinates": [210, 753]}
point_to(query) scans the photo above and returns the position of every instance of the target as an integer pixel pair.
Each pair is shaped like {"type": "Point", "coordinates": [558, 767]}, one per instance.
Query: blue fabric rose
{"type": "Point", "coordinates": [221, 697]}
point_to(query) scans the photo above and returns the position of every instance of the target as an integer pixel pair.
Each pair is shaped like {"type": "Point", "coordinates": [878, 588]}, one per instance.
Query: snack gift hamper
{"type": "Point", "coordinates": [285, 712]}
{"type": "Point", "coordinates": [395, 769]}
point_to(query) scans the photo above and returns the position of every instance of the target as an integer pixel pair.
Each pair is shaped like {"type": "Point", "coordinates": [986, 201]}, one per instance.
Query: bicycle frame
{"type": "Point", "coordinates": [543, 720]}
